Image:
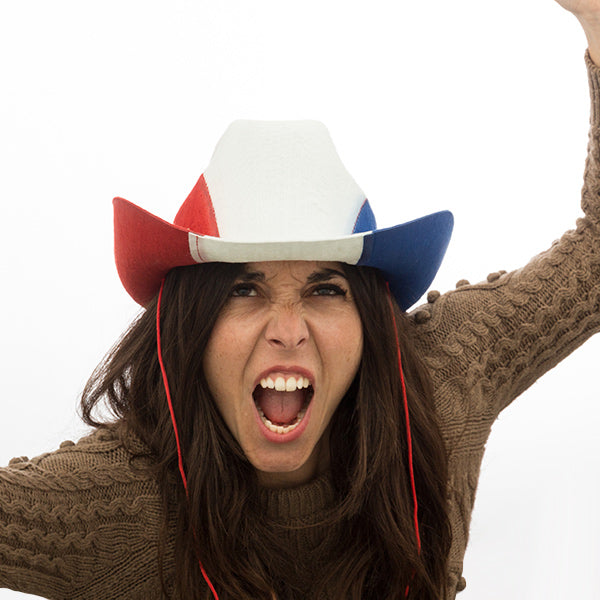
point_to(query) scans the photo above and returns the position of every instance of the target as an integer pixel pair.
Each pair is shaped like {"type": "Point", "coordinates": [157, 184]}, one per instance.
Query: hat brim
{"type": "Point", "coordinates": [410, 254]}
{"type": "Point", "coordinates": [147, 248]}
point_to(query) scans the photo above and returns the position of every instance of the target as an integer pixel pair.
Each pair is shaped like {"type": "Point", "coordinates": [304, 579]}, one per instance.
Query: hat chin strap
{"type": "Point", "coordinates": [408, 433]}
{"type": "Point", "coordinates": [174, 422]}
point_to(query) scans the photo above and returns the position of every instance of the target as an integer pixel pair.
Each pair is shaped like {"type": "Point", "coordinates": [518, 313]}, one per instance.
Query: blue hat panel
{"type": "Point", "coordinates": [365, 220]}
{"type": "Point", "coordinates": [409, 255]}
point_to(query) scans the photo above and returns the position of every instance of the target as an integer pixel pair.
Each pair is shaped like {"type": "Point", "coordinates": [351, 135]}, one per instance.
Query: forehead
{"type": "Point", "coordinates": [300, 270]}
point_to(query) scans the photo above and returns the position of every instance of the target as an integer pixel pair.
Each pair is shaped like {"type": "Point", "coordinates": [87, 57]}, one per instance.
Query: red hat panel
{"type": "Point", "coordinates": [197, 213]}
{"type": "Point", "coordinates": [146, 249]}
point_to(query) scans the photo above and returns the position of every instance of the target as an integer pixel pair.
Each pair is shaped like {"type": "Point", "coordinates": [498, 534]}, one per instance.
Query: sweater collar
{"type": "Point", "coordinates": [310, 499]}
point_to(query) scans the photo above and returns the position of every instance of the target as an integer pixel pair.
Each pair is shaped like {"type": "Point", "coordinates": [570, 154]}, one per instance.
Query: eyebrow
{"type": "Point", "coordinates": [324, 275]}
{"type": "Point", "coordinates": [315, 277]}
{"type": "Point", "coordinates": [252, 276]}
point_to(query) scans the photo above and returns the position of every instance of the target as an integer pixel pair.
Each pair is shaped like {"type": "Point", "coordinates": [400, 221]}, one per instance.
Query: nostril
{"type": "Point", "coordinates": [276, 342]}
{"type": "Point", "coordinates": [287, 344]}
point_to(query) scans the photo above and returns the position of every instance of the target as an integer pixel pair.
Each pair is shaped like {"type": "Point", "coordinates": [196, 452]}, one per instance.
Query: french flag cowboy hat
{"type": "Point", "coordinates": [277, 190]}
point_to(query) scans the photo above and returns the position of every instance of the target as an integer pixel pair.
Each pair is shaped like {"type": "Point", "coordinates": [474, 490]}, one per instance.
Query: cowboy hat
{"type": "Point", "coordinates": [277, 190]}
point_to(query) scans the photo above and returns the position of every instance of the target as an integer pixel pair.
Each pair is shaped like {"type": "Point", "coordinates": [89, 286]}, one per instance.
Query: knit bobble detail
{"type": "Point", "coordinates": [104, 435]}
{"type": "Point", "coordinates": [66, 444]}
{"type": "Point", "coordinates": [462, 283]}
{"type": "Point", "coordinates": [461, 585]}
{"type": "Point", "coordinates": [18, 460]}
{"type": "Point", "coordinates": [422, 316]}
{"type": "Point", "coordinates": [495, 276]}
{"type": "Point", "coordinates": [432, 296]}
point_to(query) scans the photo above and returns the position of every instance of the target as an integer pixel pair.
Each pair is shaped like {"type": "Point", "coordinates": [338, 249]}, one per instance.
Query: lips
{"type": "Point", "coordinates": [282, 402]}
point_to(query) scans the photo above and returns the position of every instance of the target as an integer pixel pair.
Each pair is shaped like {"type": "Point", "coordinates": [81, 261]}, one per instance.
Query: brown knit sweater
{"type": "Point", "coordinates": [83, 523]}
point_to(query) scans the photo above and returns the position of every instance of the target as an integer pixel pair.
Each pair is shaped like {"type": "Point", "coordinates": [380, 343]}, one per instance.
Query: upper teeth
{"type": "Point", "coordinates": [285, 385]}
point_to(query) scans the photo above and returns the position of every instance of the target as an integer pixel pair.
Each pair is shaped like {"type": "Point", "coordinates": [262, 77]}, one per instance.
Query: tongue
{"type": "Point", "coordinates": [280, 408]}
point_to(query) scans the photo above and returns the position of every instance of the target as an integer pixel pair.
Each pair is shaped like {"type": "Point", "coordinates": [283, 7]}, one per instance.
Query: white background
{"type": "Point", "coordinates": [479, 107]}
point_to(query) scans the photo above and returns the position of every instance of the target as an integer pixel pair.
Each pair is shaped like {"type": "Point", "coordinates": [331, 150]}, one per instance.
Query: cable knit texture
{"type": "Point", "coordinates": [83, 522]}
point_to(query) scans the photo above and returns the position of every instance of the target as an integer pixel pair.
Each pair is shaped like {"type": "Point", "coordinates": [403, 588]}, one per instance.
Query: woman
{"type": "Point", "coordinates": [359, 481]}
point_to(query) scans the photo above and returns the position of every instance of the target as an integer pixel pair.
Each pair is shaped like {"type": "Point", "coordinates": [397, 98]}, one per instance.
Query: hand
{"type": "Point", "coordinates": [588, 14]}
{"type": "Point", "coordinates": [582, 9]}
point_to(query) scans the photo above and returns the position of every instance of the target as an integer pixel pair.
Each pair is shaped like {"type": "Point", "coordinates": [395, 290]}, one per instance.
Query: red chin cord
{"type": "Point", "coordinates": [408, 434]}
{"type": "Point", "coordinates": [174, 422]}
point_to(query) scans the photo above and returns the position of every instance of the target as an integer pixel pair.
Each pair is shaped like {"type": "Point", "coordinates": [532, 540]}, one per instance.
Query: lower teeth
{"type": "Point", "coordinates": [281, 428]}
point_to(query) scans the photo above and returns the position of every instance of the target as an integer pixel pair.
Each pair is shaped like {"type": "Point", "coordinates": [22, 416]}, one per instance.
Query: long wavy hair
{"type": "Point", "coordinates": [375, 554]}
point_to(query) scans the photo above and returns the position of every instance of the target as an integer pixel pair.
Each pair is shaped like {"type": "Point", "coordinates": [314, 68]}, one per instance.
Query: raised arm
{"type": "Point", "coordinates": [81, 522]}
{"type": "Point", "coordinates": [487, 343]}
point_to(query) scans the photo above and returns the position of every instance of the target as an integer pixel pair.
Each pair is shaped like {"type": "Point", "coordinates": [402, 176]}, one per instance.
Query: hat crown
{"type": "Point", "coordinates": [281, 181]}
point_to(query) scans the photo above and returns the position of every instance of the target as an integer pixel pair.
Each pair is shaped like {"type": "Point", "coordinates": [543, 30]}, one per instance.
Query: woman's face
{"type": "Point", "coordinates": [282, 354]}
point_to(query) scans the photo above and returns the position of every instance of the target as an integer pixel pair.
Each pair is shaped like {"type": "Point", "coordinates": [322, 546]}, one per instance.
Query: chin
{"type": "Point", "coordinates": [284, 466]}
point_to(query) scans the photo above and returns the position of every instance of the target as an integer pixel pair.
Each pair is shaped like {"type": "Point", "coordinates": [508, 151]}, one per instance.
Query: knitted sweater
{"type": "Point", "coordinates": [83, 522]}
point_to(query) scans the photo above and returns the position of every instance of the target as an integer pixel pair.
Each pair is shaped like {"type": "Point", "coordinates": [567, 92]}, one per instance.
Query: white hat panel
{"type": "Point", "coordinates": [281, 181]}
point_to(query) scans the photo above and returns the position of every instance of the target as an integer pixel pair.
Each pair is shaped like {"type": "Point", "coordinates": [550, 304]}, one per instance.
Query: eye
{"type": "Point", "coordinates": [244, 290]}
{"type": "Point", "coordinates": [328, 289]}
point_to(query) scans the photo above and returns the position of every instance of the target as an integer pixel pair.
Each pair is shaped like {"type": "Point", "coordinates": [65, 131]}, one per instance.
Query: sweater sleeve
{"type": "Point", "coordinates": [81, 522]}
{"type": "Point", "coordinates": [486, 343]}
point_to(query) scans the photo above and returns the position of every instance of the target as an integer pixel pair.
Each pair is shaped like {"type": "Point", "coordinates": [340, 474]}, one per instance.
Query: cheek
{"type": "Point", "coordinates": [353, 333]}
{"type": "Point", "coordinates": [217, 366]}
{"type": "Point", "coordinates": [218, 357]}
{"type": "Point", "coordinates": [226, 358]}
{"type": "Point", "coordinates": [345, 346]}
{"type": "Point", "coordinates": [355, 350]}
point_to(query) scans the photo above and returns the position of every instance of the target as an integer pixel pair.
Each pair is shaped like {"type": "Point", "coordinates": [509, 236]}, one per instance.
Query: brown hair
{"type": "Point", "coordinates": [376, 555]}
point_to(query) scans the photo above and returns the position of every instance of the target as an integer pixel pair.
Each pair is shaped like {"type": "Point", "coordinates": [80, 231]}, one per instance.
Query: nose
{"type": "Point", "coordinates": [286, 328]}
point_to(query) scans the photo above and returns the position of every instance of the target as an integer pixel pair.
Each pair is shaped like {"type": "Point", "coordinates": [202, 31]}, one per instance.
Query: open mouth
{"type": "Point", "coordinates": [282, 402]}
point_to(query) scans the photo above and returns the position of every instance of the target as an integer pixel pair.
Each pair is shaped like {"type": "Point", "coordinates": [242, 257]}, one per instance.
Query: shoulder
{"type": "Point", "coordinates": [99, 468]}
